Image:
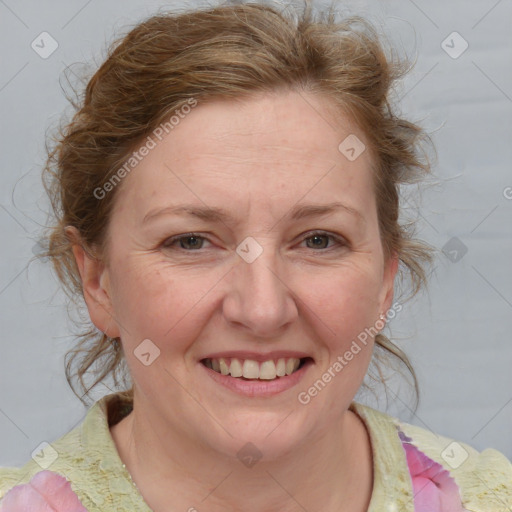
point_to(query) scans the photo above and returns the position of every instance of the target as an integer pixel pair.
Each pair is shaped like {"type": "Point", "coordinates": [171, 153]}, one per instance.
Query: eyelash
{"type": "Point", "coordinates": [167, 244]}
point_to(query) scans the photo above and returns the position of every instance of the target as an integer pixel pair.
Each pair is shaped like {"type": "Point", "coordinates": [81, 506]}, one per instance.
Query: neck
{"type": "Point", "coordinates": [329, 471]}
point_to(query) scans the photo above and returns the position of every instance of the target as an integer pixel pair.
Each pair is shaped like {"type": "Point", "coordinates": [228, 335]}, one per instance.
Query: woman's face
{"type": "Point", "coordinates": [254, 282]}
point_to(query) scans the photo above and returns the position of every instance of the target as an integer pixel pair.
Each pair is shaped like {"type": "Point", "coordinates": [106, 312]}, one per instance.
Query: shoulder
{"type": "Point", "coordinates": [61, 457]}
{"type": "Point", "coordinates": [9, 477]}
{"type": "Point", "coordinates": [484, 478]}
{"type": "Point", "coordinates": [87, 459]}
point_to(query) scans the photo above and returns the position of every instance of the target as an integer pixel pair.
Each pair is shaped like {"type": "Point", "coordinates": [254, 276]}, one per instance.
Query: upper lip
{"type": "Point", "coordinates": [257, 356]}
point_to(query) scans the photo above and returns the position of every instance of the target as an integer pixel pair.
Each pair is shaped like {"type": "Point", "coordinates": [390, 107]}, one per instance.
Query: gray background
{"type": "Point", "coordinates": [457, 336]}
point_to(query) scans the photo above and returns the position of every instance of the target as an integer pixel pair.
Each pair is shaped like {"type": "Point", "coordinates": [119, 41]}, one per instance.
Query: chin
{"type": "Point", "coordinates": [272, 437]}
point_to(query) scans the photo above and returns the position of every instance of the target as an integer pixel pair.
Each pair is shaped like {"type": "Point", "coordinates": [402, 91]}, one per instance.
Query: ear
{"type": "Point", "coordinates": [388, 283]}
{"type": "Point", "coordinates": [95, 285]}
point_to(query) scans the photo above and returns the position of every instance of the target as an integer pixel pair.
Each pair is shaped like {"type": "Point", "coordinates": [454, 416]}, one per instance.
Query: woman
{"type": "Point", "coordinates": [227, 205]}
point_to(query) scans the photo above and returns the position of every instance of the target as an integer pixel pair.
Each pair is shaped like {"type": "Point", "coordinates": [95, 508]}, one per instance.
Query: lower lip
{"type": "Point", "coordinates": [259, 388]}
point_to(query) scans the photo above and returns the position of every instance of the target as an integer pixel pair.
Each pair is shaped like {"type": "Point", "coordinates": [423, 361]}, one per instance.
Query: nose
{"type": "Point", "coordinates": [259, 298]}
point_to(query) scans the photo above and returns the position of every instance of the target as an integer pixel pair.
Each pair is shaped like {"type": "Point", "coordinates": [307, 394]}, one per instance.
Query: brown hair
{"type": "Point", "coordinates": [230, 51]}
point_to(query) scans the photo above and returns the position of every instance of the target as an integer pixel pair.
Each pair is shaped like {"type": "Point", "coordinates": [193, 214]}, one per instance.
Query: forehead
{"type": "Point", "coordinates": [255, 150]}
{"type": "Point", "coordinates": [290, 124]}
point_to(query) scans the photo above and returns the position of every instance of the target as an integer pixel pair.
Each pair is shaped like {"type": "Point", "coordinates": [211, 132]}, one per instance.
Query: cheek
{"type": "Point", "coordinates": [156, 302]}
{"type": "Point", "coordinates": [171, 306]}
{"type": "Point", "coordinates": [342, 310]}
{"type": "Point", "coordinates": [344, 300]}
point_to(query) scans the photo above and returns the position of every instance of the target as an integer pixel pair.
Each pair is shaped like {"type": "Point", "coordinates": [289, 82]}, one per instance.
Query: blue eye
{"type": "Point", "coordinates": [318, 237]}
{"type": "Point", "coordinates": [192, 239]}
{"type": "Point", "coordinates": [191, 242]}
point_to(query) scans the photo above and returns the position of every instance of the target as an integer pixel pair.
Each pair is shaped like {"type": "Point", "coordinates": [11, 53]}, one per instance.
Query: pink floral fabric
{"type": "Point", "coordinates": [434, 489]}
{"type": "Point", "coordinates": [46, 492]}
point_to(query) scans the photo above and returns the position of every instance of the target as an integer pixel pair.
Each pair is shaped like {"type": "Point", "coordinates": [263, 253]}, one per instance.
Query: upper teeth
{"type": "Point", "coordinates": [251, 369]}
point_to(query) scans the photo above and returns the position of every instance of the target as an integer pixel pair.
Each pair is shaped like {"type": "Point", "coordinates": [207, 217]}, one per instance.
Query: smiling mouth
{"type": "Point", "coordinates": [248, 369]}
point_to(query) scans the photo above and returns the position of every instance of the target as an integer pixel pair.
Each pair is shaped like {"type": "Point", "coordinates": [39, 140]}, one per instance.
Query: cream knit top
{"type": "Point", "coordinates": [88, 459]}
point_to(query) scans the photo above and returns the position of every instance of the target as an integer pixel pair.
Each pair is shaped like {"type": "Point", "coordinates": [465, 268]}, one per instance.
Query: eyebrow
{"type": "Point", "coordinates": [212, 214]}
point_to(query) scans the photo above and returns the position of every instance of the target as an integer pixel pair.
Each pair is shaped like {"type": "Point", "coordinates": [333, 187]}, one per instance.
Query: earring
{"type": "Point", "coordinates": [109, 339]}
{"type": "Point", "coordinates": [382, 316]}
